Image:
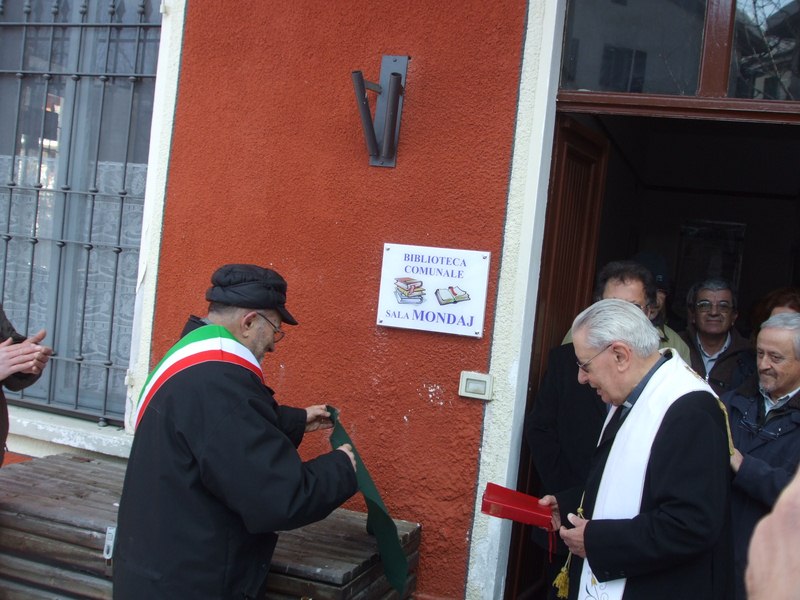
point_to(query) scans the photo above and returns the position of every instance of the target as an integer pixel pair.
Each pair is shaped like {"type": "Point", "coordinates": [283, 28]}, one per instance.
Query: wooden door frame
{"type": "Point", "coordinates": [679, 107]}
{"type": "Point", "coordinates": [578, 171]}
{"type": "Point", "coordinates": [594, 103]}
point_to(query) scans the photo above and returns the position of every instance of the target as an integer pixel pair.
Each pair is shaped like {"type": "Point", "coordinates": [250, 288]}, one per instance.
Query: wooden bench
{"type": "Point", "coordinates": [54, 513]}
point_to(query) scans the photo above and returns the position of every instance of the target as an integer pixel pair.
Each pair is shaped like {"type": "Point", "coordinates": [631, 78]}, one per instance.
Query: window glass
{"type": "Point", "coordinates": [639, 46]}
{"type": "Point", "coordinates": [76, 99]}
{"type": "Point", "coordinates": [766, 54]}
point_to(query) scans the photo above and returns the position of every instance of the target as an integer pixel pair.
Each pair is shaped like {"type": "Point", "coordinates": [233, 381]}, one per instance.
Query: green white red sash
{"type": "Point", "coordinates": [210, 343]}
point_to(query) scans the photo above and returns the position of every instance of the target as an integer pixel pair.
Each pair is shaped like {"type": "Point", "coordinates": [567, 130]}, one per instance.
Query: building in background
{"type": "Point", "coordinates": [143, 143]}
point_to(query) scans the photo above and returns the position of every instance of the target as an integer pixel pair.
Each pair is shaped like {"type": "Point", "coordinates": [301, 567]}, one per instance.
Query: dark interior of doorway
{"type": "Point", "coordinates": [712, 198]}
{"type": "Point", "coordinates": [667, 177]}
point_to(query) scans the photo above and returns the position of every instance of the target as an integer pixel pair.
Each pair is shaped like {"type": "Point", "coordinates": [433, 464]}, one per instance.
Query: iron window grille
{"type": "Point", "coordinates": [77, 81]}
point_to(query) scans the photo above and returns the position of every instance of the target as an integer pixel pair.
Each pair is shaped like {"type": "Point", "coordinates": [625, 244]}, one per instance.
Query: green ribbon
{"type": "Point", "coordinates": [379, 522]}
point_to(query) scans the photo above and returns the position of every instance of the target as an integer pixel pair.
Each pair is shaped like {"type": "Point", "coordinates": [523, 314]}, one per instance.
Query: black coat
{"type": "Point", "coordinates": [562, 429]}
{"type": "Point", "coordinates": [564, 424]}
{"type": "Point", "coordinates": [213, 474]}
{"type": "Point", "coordinates": [679, 545]}
{"type": "Point", "coordinates": [770, 446]}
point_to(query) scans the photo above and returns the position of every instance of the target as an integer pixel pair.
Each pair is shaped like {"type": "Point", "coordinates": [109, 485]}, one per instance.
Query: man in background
{"type": "Point", "coordinates": [719, 353]}
{"type": "Point", "coordinates": [651, 299]}
{"type": "Point", "coordinates": [764, 418]}
{"type": "Point", "coordinates": [656, 264]}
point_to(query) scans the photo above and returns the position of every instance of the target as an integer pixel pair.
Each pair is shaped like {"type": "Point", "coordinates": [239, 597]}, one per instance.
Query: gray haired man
{"type": "Point", "coordinates": [718, 352]}
{"type": "Point", "coordinates": [651, 522]}
{"type": "Point", "coordinates": [765, 422]}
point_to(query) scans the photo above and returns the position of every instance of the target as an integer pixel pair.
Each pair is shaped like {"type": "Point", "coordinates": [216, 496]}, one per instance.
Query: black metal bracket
{"type": "Point", "coordinates": [382, 135]}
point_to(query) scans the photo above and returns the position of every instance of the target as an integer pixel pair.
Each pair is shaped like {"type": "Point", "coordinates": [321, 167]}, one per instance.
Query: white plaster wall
{"type": "Point", "coordinates": [39, 434]}
{"type": "Point", "coordinates": [517, 290]}
{"type": "Point", "coordinates": [173, 14]}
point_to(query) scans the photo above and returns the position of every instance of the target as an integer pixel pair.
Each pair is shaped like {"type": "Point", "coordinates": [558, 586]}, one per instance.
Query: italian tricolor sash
{"type": "Point", "coordinates": [210, 343]}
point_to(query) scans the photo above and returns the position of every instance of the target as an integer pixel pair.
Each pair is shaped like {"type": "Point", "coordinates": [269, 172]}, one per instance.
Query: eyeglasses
{"type": "Point", "coordinates": [279, 333]}
{"type": "Point", "coordinates": [755, 430]}
{"type": "Point", "coordinates": [705, 306]}
{"type": "Point", "coordinates": [583, 366]}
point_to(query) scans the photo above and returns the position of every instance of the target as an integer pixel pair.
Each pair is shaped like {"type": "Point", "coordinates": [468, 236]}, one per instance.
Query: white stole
{"type": "Point", "coordinates": [620, 493]}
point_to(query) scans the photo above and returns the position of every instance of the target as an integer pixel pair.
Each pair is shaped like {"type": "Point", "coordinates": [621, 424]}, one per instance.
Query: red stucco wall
{"type": "Point", "coordinates": [269, 165]}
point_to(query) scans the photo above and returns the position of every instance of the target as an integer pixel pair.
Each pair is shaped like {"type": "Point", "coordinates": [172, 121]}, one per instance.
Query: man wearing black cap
{"type": "Point", "coordinates": [214, 470]}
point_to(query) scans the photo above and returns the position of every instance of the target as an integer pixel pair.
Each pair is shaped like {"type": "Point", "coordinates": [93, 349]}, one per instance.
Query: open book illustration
{"type": "Point", "coordinates": [451, 295]}
{"type": "Point", "coordinates": [408, 290]}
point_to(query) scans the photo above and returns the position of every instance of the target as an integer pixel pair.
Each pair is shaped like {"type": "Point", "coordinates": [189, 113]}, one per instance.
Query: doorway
{"type": "Point", "coordinates": [668, 183]}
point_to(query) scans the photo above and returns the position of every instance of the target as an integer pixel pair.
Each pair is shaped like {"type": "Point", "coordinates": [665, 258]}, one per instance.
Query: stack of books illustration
{"type": "Point", "coordinates": [408, 290]}
{"type": "Point", "coordinates": [451, 295]}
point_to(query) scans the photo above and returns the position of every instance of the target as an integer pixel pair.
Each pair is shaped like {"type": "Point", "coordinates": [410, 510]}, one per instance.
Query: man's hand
{"type": "Point", "coordinates": [318, 417]}
{"type": "Point", "coordinates": [773, 568]}
{"type": "Point", "coordinates": [556, 516]}
{"type": "Point", "coordinates": [348, 449]}
{"type": "Point", "coordinates": [573, 538]}
{"type": "Point", "coordinates": [29, 356]}
{"type": "Point", "coordinates": [736, 460]}
{"type": "Point", "coordinates": [43, 355]}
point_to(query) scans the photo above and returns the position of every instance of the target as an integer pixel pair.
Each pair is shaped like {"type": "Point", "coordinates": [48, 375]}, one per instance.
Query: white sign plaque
{"type": "Point", "coordinates": [433, 289]}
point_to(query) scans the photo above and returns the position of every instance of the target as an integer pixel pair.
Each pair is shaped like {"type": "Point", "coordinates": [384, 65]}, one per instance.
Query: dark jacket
{"type": "Point", "coordinates": [771, 454]}
{"type": "Point", "coordinates": [733, 368]}
{"type": "Point", "coordinates": [564, 424]}
{"type": "Point", "coordinates": [561, 431]}
{"type": "Point", "coordinates": [14, 382]}
{"type": "Point", "coordinates": [213, 475]}
{"type": "Point", "coordinates": [679, 544]}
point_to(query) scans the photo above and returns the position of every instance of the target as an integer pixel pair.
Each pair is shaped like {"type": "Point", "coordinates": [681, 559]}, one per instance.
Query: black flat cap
{"type": "Point", "coordinates": [250, 286]}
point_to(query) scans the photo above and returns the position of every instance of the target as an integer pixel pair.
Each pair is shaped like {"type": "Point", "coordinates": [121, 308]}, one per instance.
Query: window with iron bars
{"type": "Point", "coordinates": [76, 100]}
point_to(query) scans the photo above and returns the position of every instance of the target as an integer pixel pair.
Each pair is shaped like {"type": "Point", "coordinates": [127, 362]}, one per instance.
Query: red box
{"type": "Point", "coordinates": [505, 503]}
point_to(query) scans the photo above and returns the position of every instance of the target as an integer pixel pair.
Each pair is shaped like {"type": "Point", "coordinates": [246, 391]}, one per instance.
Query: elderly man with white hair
{"type": "Point", "coordinates": [765, 423]}
{"type": "Point", "coordinates": [652, 521]}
